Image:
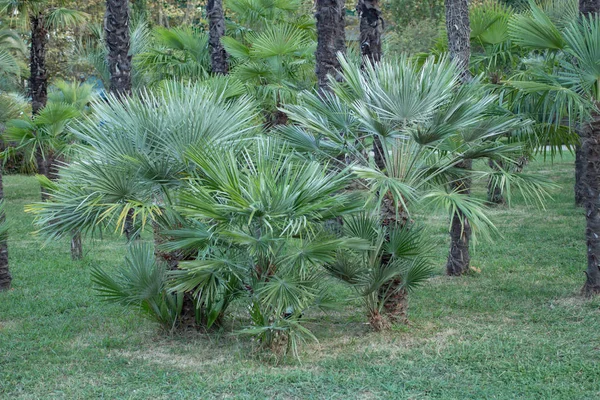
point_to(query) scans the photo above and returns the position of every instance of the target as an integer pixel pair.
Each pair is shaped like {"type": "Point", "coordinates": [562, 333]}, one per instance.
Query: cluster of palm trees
{"type": "Point", "coordinates": [266, 162]}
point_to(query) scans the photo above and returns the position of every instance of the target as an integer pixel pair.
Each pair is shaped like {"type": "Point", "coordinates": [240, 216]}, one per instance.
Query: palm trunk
{"type": "Point", "coordinates": [116, 28]}
{"type": "Point", "coordinates": [587, 7]}
{"type": "Point", "coordinates": [371, 26]}
{"type": "Point", "coordinates": [216, 22]}
{"type": "Point", "coordinates": [459, 258]}
{"type": "Point", "coordinates": [38, 82]}
{"type": "Point", "coordinates": [76, 247]}
{"type": "Point", "coordinates": [38, 79]}
{"type": "Point", "coordinates": [579, 166]}
{"type": "Point", "coordinates": [494, 192]}
{"type": "Point", "coordinates": [459, 31]}
{"type": "Point", "coordinates": [5, 277]}
{"type": "Point", "coordinates": [590, 149]}
{"type": "Point", "coordinates": [458, 28]}
{"type": "Point", "coordinates": [189, 12]}
{"type": "Point", "coordinates": [331, 39]}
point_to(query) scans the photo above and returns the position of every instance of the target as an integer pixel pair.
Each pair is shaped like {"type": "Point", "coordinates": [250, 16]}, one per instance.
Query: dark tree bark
{"type": "Point", "coordinates": [587, 7]}
{"type": "Point", "coordinates": [587, 181]}
{"type": "Point", "coordinates": [38, 79]}
{"type": "Point", "coordinates": [494, 193]}
{"type": "Point", "coordinates": [459, 258]}
{"type": "Point", "coordinates": [76, 247]}
{"type": "Point", "coordinates": [458, 28]}
{"type": "Point", "coordinates": [331, 39]}
{"type": "Point", "coordinates": [5, 277]}
{"type": "Point", "coordinates": [590, 149]}
{"type": "Point", "coordinates": [579, 166]}
{"type": "Point", "coordinates": [371, 27]}
{"type": "Point", "coordinates": [216, 23]}
{"type": "Point", "coordinates": [38, 82]}
{"type": "Point", "coordinates": [116, 29]}
{"type": "Point", "coordinates": [459, 32]}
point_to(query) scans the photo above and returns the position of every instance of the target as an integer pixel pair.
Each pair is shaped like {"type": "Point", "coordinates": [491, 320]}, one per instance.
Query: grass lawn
{"type": "Point", "coordinates": [517, 329]}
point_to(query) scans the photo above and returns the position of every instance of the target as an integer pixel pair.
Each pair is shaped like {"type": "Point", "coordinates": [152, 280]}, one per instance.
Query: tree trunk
{"type": "Point", "coordinates": [459, 35]}
{"type": "Point", "coordinates": [331, 39]}
{"type": "Point", "coordinates": [5, 277]}
{"type": "Point", "coordinates": [371, 27]}
{"type": "Point", "coordinates": [116, 28]}
{"type": "Point", "coordinates": [38, 78]}
{"type": "Point", "coordinates": [190, 8]}
{"type": "Point", "coordinates": [460, 233]}
{"type": "Point", "coordinates": [587, 7]}
{"type": "Point", "coordinates": [459, 31]}
{"type": "Point", "coordinates": [76, 247]}
{"type": "Point", "coordinates": [590, 149]}
{"type": "Point", "coordinates": [579, 166]}
{"type": "Point", "coordinates": [494, 193]}
{"type": "Point", "coordinates": [216, 23]}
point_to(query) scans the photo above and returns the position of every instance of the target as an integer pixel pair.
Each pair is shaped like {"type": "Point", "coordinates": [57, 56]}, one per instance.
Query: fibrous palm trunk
{"type": "Point", "coordinates": [38, 83]}
{"type": "Point", "coordinates": [5, 277]}
{"type": "Point", "coordinates": [459, 257]}
{"type": "Point", "coordinates": [458, 28]}
{"type": "Point", "coordinates": [371, 27]}
{"type": "Point", "coordinates": [494, 193]}
{"type": "Point", "coordinates": [331, 39]}
{"type": "Point", "coordinates": [38, 78]}
{"type": "Point", "coordinates": [587, 7]}
{"type": "Point", "coordinates": [116, 28]}
{"type": "Point", "coordinates": [459, 31]}
{"type": "Point", "coordinates": [590, 148]}
{"type": "Point", "coordinates": [216, 22]}
{"type": "Point", "coordinates": [118, 42]}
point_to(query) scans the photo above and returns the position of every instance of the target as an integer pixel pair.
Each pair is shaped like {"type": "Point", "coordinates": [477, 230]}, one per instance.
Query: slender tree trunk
{"type": "Point", "coordinates": [494, 192]}
{"type": "Point", "coordinates": [118, 42]}
{"type": "Point", "coordinates": [458, 28]}
{"type": "Point", "coordinates": [586, 7]}
{"type": "Point", "coordinates": [579, 166]}
{"type": "Point", "coordinates": [38, 78]}
{"type": "Point", "coordinates": [190, 8]}
{"type": "Point", "coordinates": [5, 277]}
{"type": "Point", "coordinates": [76, 247]}
{"type": "Point", "coordinates": [459, 31]}
{"type": "Point", "coordinates": [587, 181]}
{"type": "Point", "coordinates": [331, 39]}
{"type": "Point", "coordinates": [116, 29]}
{"type": "Point", "coordinates": [590, 148]}
{"type": "Point", "coordinates": [216, 22]}
{"type": "Point", "coordinates": [38, 82]}
{"type": "Point", "coordinates": [371, 27]}
{"type": "Point", "coordinates": [459, 257]}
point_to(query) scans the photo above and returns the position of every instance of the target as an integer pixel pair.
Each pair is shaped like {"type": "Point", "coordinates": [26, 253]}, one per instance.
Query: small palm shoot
{"type": "Point", "coordinates": [383, 274]}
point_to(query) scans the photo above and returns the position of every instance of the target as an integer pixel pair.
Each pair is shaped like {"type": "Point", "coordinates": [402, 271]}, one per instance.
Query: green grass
{"type": "Point", "coordinates": [518, 329]}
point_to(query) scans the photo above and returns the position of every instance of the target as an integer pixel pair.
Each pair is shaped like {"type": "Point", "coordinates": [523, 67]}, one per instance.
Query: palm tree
{"type": "Point", "coordinates": [116, 27]}
{"type": "Point", "coordinates": [11, 47]}
{"type": "Point", "coordinates": [331, 39]}
{"type": "Point", "coordinates": [371, 28]}
{"type": "Point", "coordinates": [428, 124]}
{"type": "Point", "coordinates": [216, 24]}
{"type": "Point", "coordinates": [382, 275]}
{"type": "Point", "coordinates": [459, 32]}
{"type": "Point", "coordinates": [8, 109]}
{"type": "Point", "coordinates": [570, 90]}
